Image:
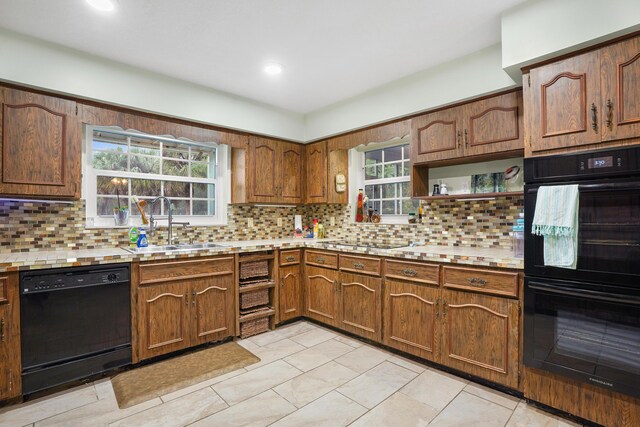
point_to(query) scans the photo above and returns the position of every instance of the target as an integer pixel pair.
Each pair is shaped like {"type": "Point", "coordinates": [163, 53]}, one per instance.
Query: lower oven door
{"type": "Point", "coordinates": [587, 332]}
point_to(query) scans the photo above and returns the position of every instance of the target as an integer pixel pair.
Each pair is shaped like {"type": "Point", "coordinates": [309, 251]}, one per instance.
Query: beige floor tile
{"type": "Point", "coordinates": [266, 338]}
{"type": "Point", "coordinates": [398, 410]}
{"type": "Point", "coordinates": [309, 386]}
{"type": "Point", "coordinates": [249, 345]}
{"type": "Point", "coordinates": [469, 410]}
{"type": "Point", "coordinates": [318, 355]}
{"type": "Point", "coordinates": [178, 412]}
{"type": "Point", "coordinates": [260, 410]}
{"type": "Point", "coordinates": [313, 337]}
{"type": "Point", "coordinates": [104, 389]}
{"type": "Point", "coordinates": [297, 328]}
{"type": "Point", "coordinates": [254, 382]}
{"type": "Point", "coordinates": [48, 406]}
{"type": "Point", "coordinates": [375, 385]}
{"type": "Point", "coordinates": [363, 358]}
{"type": "Point", "coordinates": [275, 351]}
{"type": "Point", "coordinates": [527, 415]}
{"type": "Point", "coordinates": [208, 383]}
{"type": "Point", "coordinates": [331, 410]}
{"type": "Point", "coordinates": [349, 341]}
{"type": "Point", "coordinates": [406, 363]}
{"type": "Point", "coordinates": [434, 388]}
{"type": "Point", "coordinates": [492, 395]}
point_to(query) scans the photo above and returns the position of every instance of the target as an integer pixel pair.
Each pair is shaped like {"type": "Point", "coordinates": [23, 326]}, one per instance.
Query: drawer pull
{"type": "Point", "coordinates": [409, 272]}
{"type": "Point", "coordinates": [290, 258]}
{"type": "Point", "coordinates": [358, 266]}
{"type": "Point", "coordinates": [193, 298]}
{"type": "Point", "coordinates": [320, 260]}
{"type": "Point", "coordinates": [2, 330]}
{"type": "Point", "coordinates": [476, 281]}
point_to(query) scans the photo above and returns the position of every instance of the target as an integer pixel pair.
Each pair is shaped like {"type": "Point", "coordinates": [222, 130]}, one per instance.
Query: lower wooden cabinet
{"type": "Point", "coordinates": [321, 295]}
{"type": "Point", "coordinates": [193, 307]}
{"type": "Point", "coordinates": [411, 316]}
{"type": "Point", "coordinates": [480, 335]}
{"type": "Point", "coordinates": [360, 303]}
{"type": "Point", "coordinates": [290, 292]}
{"type": "Point", "coordinates": [10, 363]}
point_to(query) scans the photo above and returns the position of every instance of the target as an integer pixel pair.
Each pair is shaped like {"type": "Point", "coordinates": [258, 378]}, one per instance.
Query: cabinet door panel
{"type": "Point", "coordinates": [360, 305]}
{"type": "Point", "coordinates": [290, 292]}
{"type": "Point", "coordinates": [411, 318]}
{"type": "Point", "coordinates": [41, 145]}
{"type": "Point", "coordinates": [266, 171]}
{"type": "Point", "coordinates": [316, 166]}
{"type": "Point", "coordinates": [437, 136]}
{"type": "Point", "coordinates": [322, 295]}
{"type": "Point", "coordinates": [620, 67]}
{"type": "Point", "coordinates": [10, 365]}
{"type": "Point", "coordinates": [480, 336]}
{"type": "Point", "coordinates": [292, 160]}
{"type": "Point", "coordinates": [212, 307]}
{"type": "Point", "coordinates": [163, 324]}
{"type": "Point", "coordinates": [563, 95]}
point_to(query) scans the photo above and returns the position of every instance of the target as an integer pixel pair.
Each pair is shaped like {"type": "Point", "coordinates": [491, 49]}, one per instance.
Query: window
{"type": "Point", "coordinates": [121, 164]}
{"type": "Point", "coordinates": [386, 180]}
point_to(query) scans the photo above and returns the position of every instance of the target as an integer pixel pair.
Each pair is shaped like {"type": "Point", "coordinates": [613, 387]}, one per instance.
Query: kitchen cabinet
{"type": "Point", "coordinates": [290, 291]}
{"type": "Point", "coordinates": [338, 160]}
{"type": "Point", "coordinates": [480, 335]}
{"type": "Point", "coordinates": [321, 295]}
{"type": "Point", "coordinates": [41, 148]}
{"type": "Point", "coordinates": [584, 102]}
{"type": "Point", "coordinates": [10, 368]}
{"type": "Point", "coordinates": [183, 303]}
{"type": "Point", "coordinates": [316, 172]}
{"type": "Point", "coordinates": [360, 305]}
{"type": "Point", "coordinates": [489, 126]}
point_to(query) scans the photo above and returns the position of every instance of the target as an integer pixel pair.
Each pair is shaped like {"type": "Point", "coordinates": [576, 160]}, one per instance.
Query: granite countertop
{"type": "Point", "coordinates": [487, 257]}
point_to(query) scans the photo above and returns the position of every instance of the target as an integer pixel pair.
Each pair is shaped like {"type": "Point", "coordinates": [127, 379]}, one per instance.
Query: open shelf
{"type": "Point", "coordinates": [256, 257]}
{"type": "Point", "coordinates": [473, 196]}
{"type": "Point", "coordinates": [248, 288]}
{"type": "Point", "coordinates": [268, 311]}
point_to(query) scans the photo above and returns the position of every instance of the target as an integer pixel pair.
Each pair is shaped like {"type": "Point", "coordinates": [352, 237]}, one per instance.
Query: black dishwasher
{"type": "Point", "coordinates": [75, 323]}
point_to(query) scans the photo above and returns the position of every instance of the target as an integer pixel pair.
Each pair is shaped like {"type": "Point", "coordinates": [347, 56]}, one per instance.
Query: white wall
{"type": "Point", "coordinates": [466, 77]}
{"type": "Point", "coordinates": [542, 29]}
{"type": "Point", "coordinates": [31, 62]}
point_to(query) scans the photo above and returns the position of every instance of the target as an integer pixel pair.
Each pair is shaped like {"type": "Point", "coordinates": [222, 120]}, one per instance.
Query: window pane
{"type": "Point", "coordinates": [374, 204]}
{"type": "Point", "coordinates": [107, 204]}
{"type": "Point", "coordinates": [201, 154]}
{"type": "Point", "coordinates": [405, 190]}
{"type": "Point", "coordinates": [388, 191]}
{"type": "Point", "coordinates": [392, 171]}
{"type": "Point", "coordinates": [388, 207]}
{"type": "Point", "coordinates": [203, 191]}
{"type": "Point", "coordinates": [372, 157]}
{"type": "Point", "coordinates": [108, 185]}
{"type": "Point", "coordinates": [176, 189]}
{"type": "Point", "coordinates": [406, 171]}
{"type": "Point", "coordinates": [405, 149]}
{"type": "Point", "coordinates": [200, 170]}
{"type": "Point", "coordinates": [373, 172]}
{"type": "Point", "coordinates": [109, 160]}
{"type": "Point", "coordinates": [110, 144]}
{"type": "Point", "coordinates": [170, 167]}
{"type": "Point", "coordinates": [181, 207]}
{"type": "Point", "coordinates": [373, 191]}
{"type": "Point", "coordinates": [145, 146]}
{"type": "Point", "coordinates": [203, 207]}
{"type": "Point", "coordinates": [409, 205]}
{"type": "Point", "coordinates": [392, 154]}
{"type": "Point", "coordinates": [141, 164]}
{"type": "Point", "coordinates": [156, 211]}
{"type": "Point", "coordinates": [145, 187]}
{"type": "Point", "coordinates": [175, 151]}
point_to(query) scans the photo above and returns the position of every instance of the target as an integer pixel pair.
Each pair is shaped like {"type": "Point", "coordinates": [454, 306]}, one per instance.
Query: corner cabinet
{"type": "Point", "coordinates": [41, 146]}
{"type": "Point", "coordinates": [316, 172]}
{"type": "Point", "coordinates": [183, 303]}
{"type": "Point", "coordinates": [10, 368]}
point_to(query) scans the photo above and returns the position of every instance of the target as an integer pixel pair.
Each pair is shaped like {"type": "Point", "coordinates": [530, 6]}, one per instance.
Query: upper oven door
{"type": "Point", "coordinates": [608, 234]}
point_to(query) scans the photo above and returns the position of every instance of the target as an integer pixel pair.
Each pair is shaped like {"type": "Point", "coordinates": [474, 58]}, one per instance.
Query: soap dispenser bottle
{"type": "Point", "coordinates": [142, 239]}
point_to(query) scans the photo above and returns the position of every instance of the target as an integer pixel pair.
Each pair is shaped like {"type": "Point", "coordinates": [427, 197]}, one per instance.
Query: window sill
{"type": "Point", "coordinates": [90, 225]}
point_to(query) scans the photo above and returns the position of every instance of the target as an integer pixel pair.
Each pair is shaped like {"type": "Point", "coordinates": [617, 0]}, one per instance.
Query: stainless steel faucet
{"type": "Point", "coordinates": [152, 221]}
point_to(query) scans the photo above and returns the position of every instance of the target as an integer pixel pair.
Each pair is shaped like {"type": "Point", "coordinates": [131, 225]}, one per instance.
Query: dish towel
{"type": "Point", "coordinates": [556, 219]}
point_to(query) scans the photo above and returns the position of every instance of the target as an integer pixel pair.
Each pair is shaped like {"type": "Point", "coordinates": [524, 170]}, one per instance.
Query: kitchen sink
{"type": "Point", "coordinates": [172, 248]}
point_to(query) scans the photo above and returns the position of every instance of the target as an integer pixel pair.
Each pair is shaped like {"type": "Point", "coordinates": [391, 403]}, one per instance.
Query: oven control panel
{"type": "Point", "coordinates": [75, 277]}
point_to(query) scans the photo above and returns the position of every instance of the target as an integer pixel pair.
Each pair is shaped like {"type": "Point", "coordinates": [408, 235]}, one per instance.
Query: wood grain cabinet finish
{"type": "Point", "coordinates": [290, 257]}
{"type": "Point", "coordinates": [192, 305]}
{"type": "Point", "coordinates": [480, 336]}
{"type": "Point", "coordinates": [411, 318]}
{"type": "Point", "coordinates": [437, 136]}
{"type": "Point", "coordinates": [321, 259]}
{"type": "Point", "coordinates": [292, 178]}
{"type": "Point", "coordinates": [290, 297]}
{"type": "Point", "coordinates": [361, 305]}
{"type": "Point", "coordinates": [478, 280]}
{"type": "Point", "coordinates": [361, 264]}
{"type": "Point", "coordinates": [41, 146]}
{"type": "Point", "coordinates": [316, 172]}
{"type": "Point", "coordinates": [419, 272]}
{"type": "Point", "coordinates": [321, 295]}
{"type": "Point", "coordinates": [10, 363]}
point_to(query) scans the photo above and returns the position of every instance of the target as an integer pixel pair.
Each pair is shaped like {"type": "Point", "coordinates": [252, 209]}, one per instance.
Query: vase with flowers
{"type": "Point", "coordinates": [120, 212]}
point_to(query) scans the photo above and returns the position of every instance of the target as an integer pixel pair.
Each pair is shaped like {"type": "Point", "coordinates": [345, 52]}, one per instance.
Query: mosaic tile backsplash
{"type": "Point", "coordinates": [32, 226]}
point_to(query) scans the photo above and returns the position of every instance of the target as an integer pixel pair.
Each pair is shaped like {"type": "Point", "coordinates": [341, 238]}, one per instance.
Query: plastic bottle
{"type": "Point", "coordinates": [359, 206]}
{"type": "Point", "coordinates": [142, 239]}
{"type": "Point", "coordinates": [133, 236]}
{"type": "Point", "coordinates": [315, 228]}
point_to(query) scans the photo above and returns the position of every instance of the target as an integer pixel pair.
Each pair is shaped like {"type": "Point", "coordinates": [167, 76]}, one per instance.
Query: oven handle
{"type": "Point", "coordinates": [600, 296]}
{"type": "Point", "coordinates": [608, 186]}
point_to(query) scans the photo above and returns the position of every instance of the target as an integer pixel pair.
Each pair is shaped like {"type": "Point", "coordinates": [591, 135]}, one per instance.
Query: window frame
{"type": "Point", "coordinates": [90, 178]}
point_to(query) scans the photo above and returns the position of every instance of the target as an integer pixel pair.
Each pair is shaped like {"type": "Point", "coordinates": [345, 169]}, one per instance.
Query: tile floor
{"type": "Point", "coordinates": [307, 375]}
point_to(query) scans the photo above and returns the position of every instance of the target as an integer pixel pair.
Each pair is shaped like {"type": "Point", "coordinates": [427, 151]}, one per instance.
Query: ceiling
{"type": "Point", "coordinates": [331, 50]}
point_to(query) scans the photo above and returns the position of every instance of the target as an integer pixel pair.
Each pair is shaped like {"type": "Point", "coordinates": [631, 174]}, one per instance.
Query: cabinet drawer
{"type": "Point", "coordinates": [290, 257]}
{"type": "Point", "coordinates": [358, 264]}
{"type": "Point", "coordinates": [485, 281]}
{"type": "Point", "coordinates": [321, 259]}
{"type": "Point", "coordinates": [4, 292]}
{"type": "Point", "coordinates": [413, 271]}
{"type": "Point", "coordinates": [172, 270]}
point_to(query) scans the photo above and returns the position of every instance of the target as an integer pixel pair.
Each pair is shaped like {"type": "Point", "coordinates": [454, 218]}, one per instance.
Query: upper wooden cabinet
{"type": "Point", "coordinates": [490, 125]}
{"type": "Point", "coordinates": [316, 166]}
{"type": "Point", "coordinates": [586, 101]}
{"type": "Point", "coordinates": [41, 146]}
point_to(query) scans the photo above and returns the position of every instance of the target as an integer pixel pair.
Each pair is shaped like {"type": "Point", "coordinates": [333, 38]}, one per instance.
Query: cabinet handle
{"type": "Point", "coordinates": [609, 120]}
{"type": "Point", "coordinates": [437, 312]}
{"type": "Point", "coordinates": [290, 258]}
{"type": "Point", "coordinates": [594, 117]}
{"type": "Point", "coordinates": [476, 281]}
{"type": "Point", "coordinates": [444, 308]}
{"type": "Point", "coordinates": [336, 286]}
{"type": "Point", "coordinates": [193, 298]}
{"type": "Point", "coordinates": [409, 272]}
{"type": "Point", "coordinates": [358, 265]}
{"type": "Point", "coordinates": [322, 190]}
{"type": "Point", "coordinates": [459, 138]}
{"type": "Point", "coordinates": [466, 138]}
{"type": "Point", "coordinates": [2, 330]}
{"type": "Point", "coordinates": [320, 260]}
{"type": "Point", "coordinates": [186, 299]}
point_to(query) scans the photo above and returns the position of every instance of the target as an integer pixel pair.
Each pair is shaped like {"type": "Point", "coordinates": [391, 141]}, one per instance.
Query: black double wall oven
{"type": "Point", "coordinates": [585, 323]}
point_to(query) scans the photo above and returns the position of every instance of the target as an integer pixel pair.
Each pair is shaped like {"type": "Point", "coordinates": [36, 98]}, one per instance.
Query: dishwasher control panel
{"type": "Point", "coordinates": [73, 277]}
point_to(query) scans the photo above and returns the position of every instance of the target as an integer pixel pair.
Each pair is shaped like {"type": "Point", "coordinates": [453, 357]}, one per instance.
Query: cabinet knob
{"type": "Point", "coordinates": [609, 121]}
{"type": "Point", "coordinates": [459, 138]}
{"type": "Point", "coordinates": [320, 260]}
{"type": "Point", "coordinates": [2, 330]}
{"type": "Point", "coordinates": [358, 265]}
{"type": "Point", "coordinates": [290, 258]}
{"type": "Point", "coordinates": [409, 272]}
{"type": "Point", "coordinates": [594, 117]}
{"type": "Point", "coordinates": [193, 298]}
{"type": "Point", "coordinates": [476, 281]}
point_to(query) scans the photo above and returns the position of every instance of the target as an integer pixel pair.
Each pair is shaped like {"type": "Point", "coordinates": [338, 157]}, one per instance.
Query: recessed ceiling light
{"type": "Point", "coordinates": [103, 5]}
{"type": "Point", "coordinates": [273, 69]}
